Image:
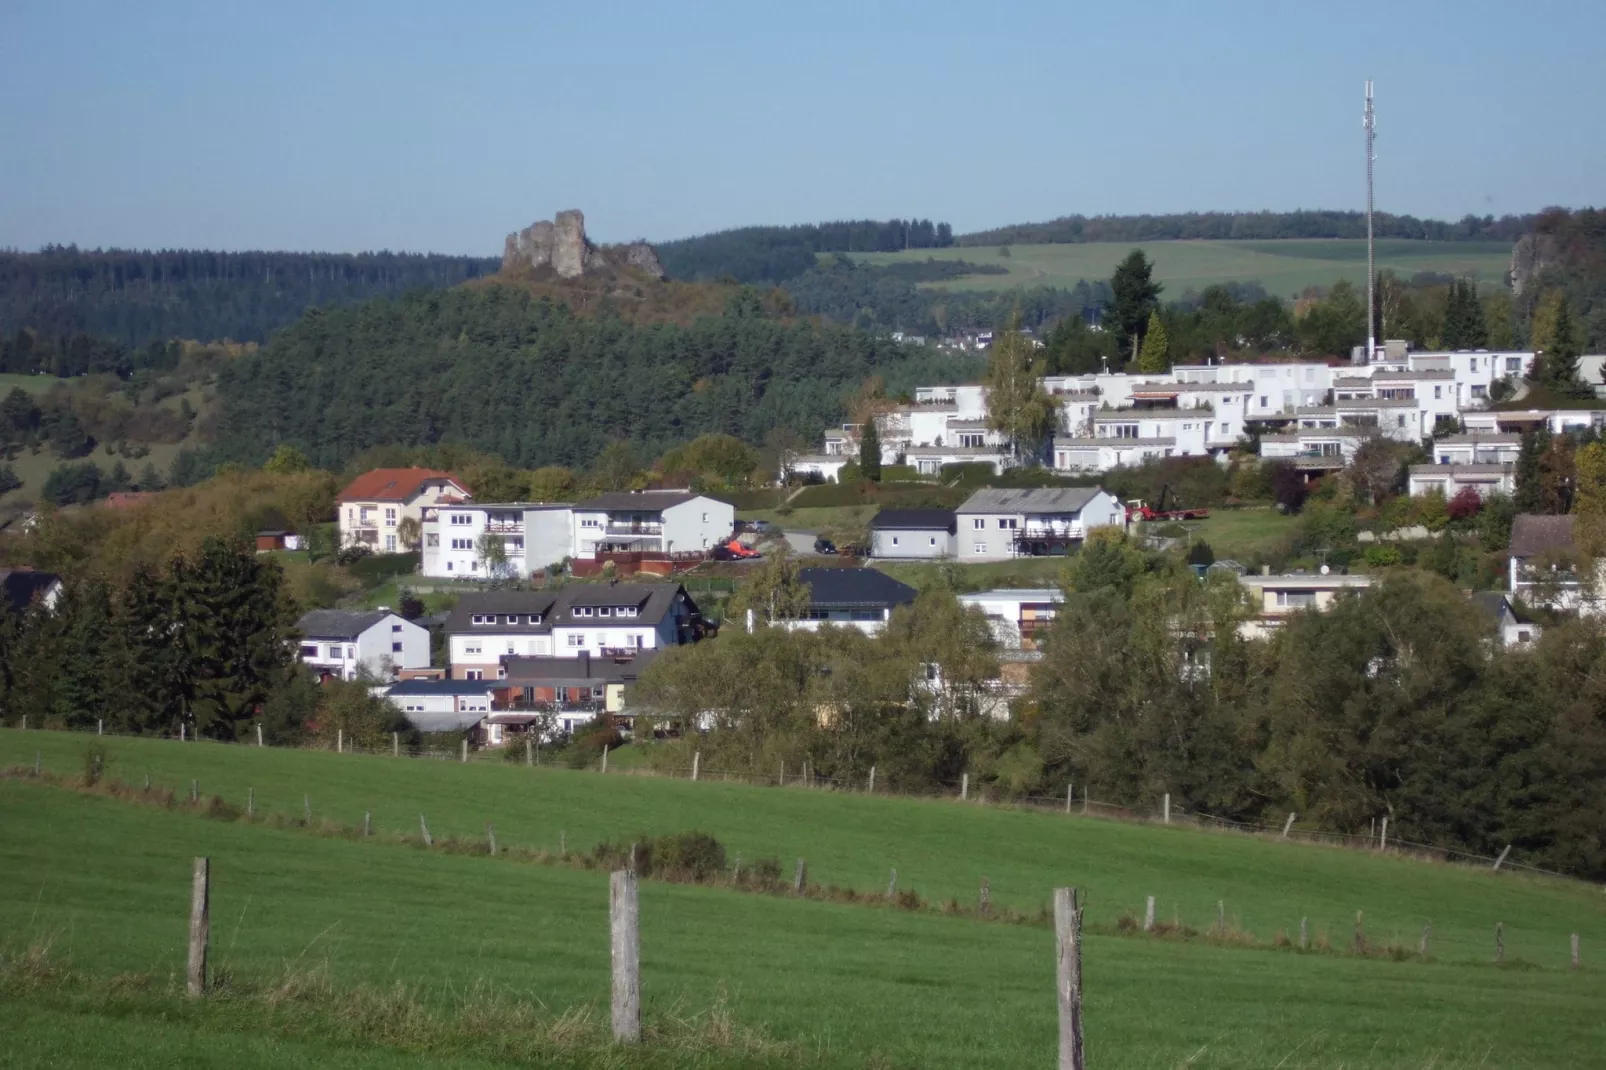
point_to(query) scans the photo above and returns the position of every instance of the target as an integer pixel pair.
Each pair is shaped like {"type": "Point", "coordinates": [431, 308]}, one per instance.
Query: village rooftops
{"type": "Point", "coordinates": [650, 501]}
{"type": "Point", "coordinates": [338, 623]}
{"type": "Point", "coordinates": [537, 612]}
{"type": "Point", "coordinates": [850, 588]}
{"type": "Point", "coordinates": [574, 672]}
{"type": "Point", "coordinates": [1034, 500]}
{"type": "Point", "coordinates": [393, 484]}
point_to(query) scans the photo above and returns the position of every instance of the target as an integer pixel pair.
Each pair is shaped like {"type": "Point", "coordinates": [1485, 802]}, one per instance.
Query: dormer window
{"type": "Point", "coordinates": [604, 611]}
{"type": "Point", "coordinates": [582, 611]}
{"type": "Point", "coordinates": [481, 618]}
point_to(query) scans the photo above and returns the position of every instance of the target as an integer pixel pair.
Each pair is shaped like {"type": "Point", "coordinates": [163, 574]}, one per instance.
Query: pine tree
{"type": "Point", "coordinates": [1561, 358]}
{"type": "Point", "coordinates": [1134, 297]}
{"type": "Point", "coordinates": [145, 672]}
{"type": "Point", "coordinates": [1155, 356]}
{"type": "Point", "coordinates": [1530, 493]}
{"type": "Point", "coordinates": [870, 450]}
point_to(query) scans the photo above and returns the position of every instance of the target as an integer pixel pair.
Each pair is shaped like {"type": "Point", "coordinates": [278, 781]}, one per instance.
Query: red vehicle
{"type": "Point", "coordinates": [1138, 509]}
{"type": "Point", "coordinates": [733, 551]}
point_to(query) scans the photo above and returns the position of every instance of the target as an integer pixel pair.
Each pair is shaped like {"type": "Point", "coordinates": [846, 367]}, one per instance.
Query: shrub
{"type": "Point", "coordinates": [1383, 556]}
{"type": "Point", "coordinates": [373, 569]}
{"type": "Point", "coordinates": [687, 857]}
{"type": "Point", "coordinates": [1466, 504]}
{"type": "Point", "coordinates": [1200, 553]}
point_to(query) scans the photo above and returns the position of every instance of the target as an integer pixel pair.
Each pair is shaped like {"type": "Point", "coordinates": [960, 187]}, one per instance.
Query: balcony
{"type": "Point", "coordinates": [505, 527]}
{"type": "Point", "coordinates": [635, 527]}
{"type": "Point", "coordinates": [1070, 529]}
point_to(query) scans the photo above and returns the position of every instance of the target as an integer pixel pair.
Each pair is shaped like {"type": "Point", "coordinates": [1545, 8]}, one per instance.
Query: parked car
{"type": "Point", "coordinates": [757, 527]}
{"type": "Point", "coordinates": [824, 546]}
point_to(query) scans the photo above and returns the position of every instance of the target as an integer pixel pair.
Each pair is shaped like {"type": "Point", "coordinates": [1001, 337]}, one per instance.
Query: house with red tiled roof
{"type": "Point", "coordinates": [373, 506]}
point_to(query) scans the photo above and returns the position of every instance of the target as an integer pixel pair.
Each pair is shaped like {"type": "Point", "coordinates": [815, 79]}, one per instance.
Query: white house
{"type": "Point", "coordinates": [995, 524]}
{"type": "Point", "coordinates": [1542, 569]}
{"type": "Point", "coordinates": [1451, 479]}
{"type": "Point", "coordinates": [442, 705]}
{"type": "Point", "coordinates": [374, 644]}
{"type": "Point", "coordinates": [1018, 615]}
{"type": "Point", "coordinates": [861, 598]}
{"type": "Point", "coordinates": [926, 534]}
{"type": "Point", "coordinates": [1514, 629]}
{"type": "Point", "coordinates": [533, 535]}
{"type": "Point", "coordinates": [372, 507]}
{"type": "Point", "coordinates": [663, 522]}
{"type": "Point", "coordinates": [1278, 597]}
{"type": "Point", "coordinates": [599, 620]}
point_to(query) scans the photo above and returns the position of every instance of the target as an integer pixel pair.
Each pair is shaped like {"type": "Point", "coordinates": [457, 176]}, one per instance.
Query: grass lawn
{"type": "Point", "coordinates": [837, 522]}
{"type": "Point", "coordinates": [33, 384]}
{"type": "Point", "coordinates": [1240, 533]}
{"type": "Point", "coordinates": [939, 848]}
{"type": "Point", "coordinates": [107, 883]}
{"type": "Point", "coordinates": [1284, 268]}
{"type": "Point", "coordinates": [982, 576]}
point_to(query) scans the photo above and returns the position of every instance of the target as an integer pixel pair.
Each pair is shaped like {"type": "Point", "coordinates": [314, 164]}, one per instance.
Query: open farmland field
{"type": "Point", "coordinates": [1284, 268]}
{"type": "Point", "coordinates": [105, 882]}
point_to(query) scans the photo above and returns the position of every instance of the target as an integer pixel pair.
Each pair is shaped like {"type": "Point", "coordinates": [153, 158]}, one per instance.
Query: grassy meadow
{"type": "Point", "coordinates": [1284, 268]}
{"type": "Point", "coordinates": [106, 883]}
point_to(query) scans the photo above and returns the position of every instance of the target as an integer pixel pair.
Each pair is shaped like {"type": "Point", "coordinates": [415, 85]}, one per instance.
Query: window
{"type": "Point", "coordinates": [582, 611]}
{"type": "Point", "coordinates": [1006, 522]}
{"type": "Point", "coordinates": [978, 547]}
{"type": "Point", "coordinates": [432, 541]}
{"type": "Point", "coordinates": [1438, 391]}
{"type": "Point", "coordinates": [390, 544]}
{"type": "Point", "coordinates": [310, 650]}
{"type": "Point", "coordinates": [462, 544]}
{"type": "Point", "coordinates": [979, 523]}
{"type": "Point", "coordinates": [510, 649]}
{"type": "Point", "coordinates": [474, 674]}
{"type": "Point", "coordinates": [895, 540]}
{"type": "Point", "coordinates": [576, 639]}
{"type": "Point", "coordinates": [390, 518]}
{"type": "Point", "coordinates": [1399, 421]}
{"type": "Point", "coordinates": [394, 628]}
{"type": "Point", "coordinates": [1296, 599]}
{"type": "Point", "coordinates": [632, 640]}
{"type": "Point", "coordinates": [462, 519]}
{"type": "Point", "coordinates": [705, 518]}
{"type": "Point", "coordinates": [933, 540]}
{"type": "Point", "coordinates": [395, 648]}
{"type": "Point", "coordinates": [625, 611]}
{"type": "Point", "coordinates": [1263, 401]}
{"type": "Point", "coordinates": [1226, 429]}
{"type": "Point", "coordinates": [471, 648]}
{"type": "Point", "coordinates": [604, 611]}
{"type": "Point", "coordinates": [1479, 390]}
{"type": "Point", "coordinates": [590, 522]}
{"type": "Point", "coordinates": [1513, 365]}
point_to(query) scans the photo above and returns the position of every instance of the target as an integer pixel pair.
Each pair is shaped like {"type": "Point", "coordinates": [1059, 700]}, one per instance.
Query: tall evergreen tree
{"type": "Point", "coordinates": [145, 673]}
{"type": "Point", "coordinates": [1561, 358]}
{"type": "Point", "coordinates": [1155, 356]}
{"type": "Point", "coordinates": [1530, 492]}
{"type": "Point", "coordinates": [1135, 296]}
{"type": "Point", "coordinates": [870, 449]}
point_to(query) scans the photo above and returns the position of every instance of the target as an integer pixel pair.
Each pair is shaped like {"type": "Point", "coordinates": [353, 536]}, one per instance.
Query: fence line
{"type": "Point", "coordinates": [940, 789]}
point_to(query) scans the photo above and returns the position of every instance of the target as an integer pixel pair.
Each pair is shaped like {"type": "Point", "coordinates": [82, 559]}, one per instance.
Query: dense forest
{"type": "Point", "coordinates": [136, 297]}
{"type": "Point", "coordinates": [498, 370]}
{"type": "Point", "coordinates": [775, 254]}
{"type": "Point", "coordinates": [1248, 226]}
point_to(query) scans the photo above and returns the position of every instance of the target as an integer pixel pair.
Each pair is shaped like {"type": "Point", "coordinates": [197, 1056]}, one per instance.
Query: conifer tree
{"type": "Point", "coordinates": [870, 450]}
{"type": "Point", "coordinates": [1155, 356]}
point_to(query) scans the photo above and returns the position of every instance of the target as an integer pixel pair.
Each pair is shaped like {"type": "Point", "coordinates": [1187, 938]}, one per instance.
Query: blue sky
{"type": "Point", "coordinates": [351, 125]}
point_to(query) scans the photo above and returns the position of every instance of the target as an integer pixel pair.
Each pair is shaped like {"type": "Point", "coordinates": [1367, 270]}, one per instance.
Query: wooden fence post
{"type": "Point", "coordinates": [465, 749]}
{"type": "Point", "coordinates": [1501, 860]}
{"type": "Point", "coordinates": [736, 871]}
{"type": "Point", "coordinates": [1383, 835]}
{"type": "Point", "coordinates": [1288, 825]}
{"type": "Point", "coordinates": [696, 764]}
{"type": "Point", "coordinates": [306, 808]}
{"type": "Point", "coordinates": [892, 891]}
{"type": "Point", "coordinates": [872, 780]}
{"type": "Point", "coordinates": [182, 731]}
{"type": "Point", "coordinates": [781, 780]}
{"type": "Point", "coordinates": [38, 769]}
{"type": "Point", "coordinates": [1499, 942]}
{"type": "Point", "coordinates": [100, 726]}
{"type": "Point", "coordinates": [528, 759]}
{"type": "Point", "coordinates": [1148, 915]}
{"type": "Point", "coordinates": [195, 791]}
{"type": "Point", "coordinates": [367, 823]}
{"type": "Point", "coordinates": [423, 829]}
{"type": "Point", "coordinates": [147, 775]}
{"type": "Point", "coordinates": [250, 802]}
{"type": "Point", "coordinates": [200, 928]}
{"type": "Point", "coordinates": [1221, 917]}
{"type": "Point", "coordinates": [259, 733]}
{"type": "Point", "coordinates": [1427, 939]}
{"type": "Point", "coordinates": [964, 786]}
{"type": "Point", "coordinates": [1165, 816]}
{"type": "Point", "coordinates": [1574, 942]}
{"type": "Point", "coordinates": [395, 744]}
{"type": "Point", "coordinates": [25, 722]}
{"type": "Point", "coordinates": [1070, 793]}
{"type": "Point", "coordinates": [563, 844]}
{"type": "Point", "coordinates": [1360, 932]}
{"type": "Point", "coordinates": [1304, 934]}
{"type": "Point", "coordinates": [800, 879]}
{"type": "Point", "coordinates": [490, 834]}
{"type": "Point", "coordinates": [984, 901]}
{"type": "Point", "coordinates": [604, 757]}
{"type": "Point", "coordinates": [624, 928]}
{"type": "Point", "coordinates": [1084, 800]}
{"type": "Point", "coordinates": [1068, 975]}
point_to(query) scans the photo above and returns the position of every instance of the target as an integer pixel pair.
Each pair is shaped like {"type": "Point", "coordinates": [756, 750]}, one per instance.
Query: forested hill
{"type": "Point", "coordinates": [136, 297]}
{"type": "Point", "coordinates": [500, 370]}
{"type": "Point", "coordinates": [775, 254]}
{"type": "Point", "coordinates": [1248, 226]}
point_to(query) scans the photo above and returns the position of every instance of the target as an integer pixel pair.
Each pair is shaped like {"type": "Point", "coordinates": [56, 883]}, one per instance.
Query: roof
{"type": "Point", "coordinates": [392, 484]}
{"type": "Point", "coordinates": [338, 623]}
{"type": "Point", "coordinates": [914, 520]}
{"type": "Point", "coordinates": [523, 672]}
{"type": "Point", "coordinates": [23, 585]}
{"type": "Point", "coordinates": [1307, 580]}
{"type": "Point", "coordinates": [854, 587]}
{"type": "Point", "coordinates": [524, 604]}
{"type": "Point", "coordinates": [1497, 605]}
{"type": "Point", "coordinates": [1035, 500]}
{"type": "Point", "coordinates": [1532, 534]}
{"type": "Point", "coordinates": [442, 687]}
{"type": "Point", "coordinates": [651, 500]}
{"type": "Point", "coordinates": [450, 721]}
{"type": "Point", "coordinates": [652, 601]}
{"type": "Point", "coordinates": [1014, 594]}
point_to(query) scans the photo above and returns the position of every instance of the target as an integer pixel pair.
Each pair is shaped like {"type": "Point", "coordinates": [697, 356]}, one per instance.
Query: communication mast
{"type": "Point", "coordinates": [1371, 265]}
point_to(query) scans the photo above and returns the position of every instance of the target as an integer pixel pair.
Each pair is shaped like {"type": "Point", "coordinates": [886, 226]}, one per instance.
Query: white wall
{"type": "Point", "coordinates": [699, 524]}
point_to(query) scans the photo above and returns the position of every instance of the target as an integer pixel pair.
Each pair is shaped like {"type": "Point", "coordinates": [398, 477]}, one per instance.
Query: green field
{"type": "Point", "coordinates": [105, 882]}
{"type": "Point", "coordinates": [1284, 268]}
{"type": "Point", "coordinates": [1241, 533]}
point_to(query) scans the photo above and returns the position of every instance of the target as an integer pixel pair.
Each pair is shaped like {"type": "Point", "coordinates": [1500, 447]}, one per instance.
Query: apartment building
{"type": "Point", "coordinates": [531, 536]}
{"type": "Point", "coordinates": [996, 524]}
{"type": "Point", "coordinates": [653, 522]}
{"type": "Point", "coordinates": [1278, 597]}
{"type": "Point", "coordinates": [372, 507]}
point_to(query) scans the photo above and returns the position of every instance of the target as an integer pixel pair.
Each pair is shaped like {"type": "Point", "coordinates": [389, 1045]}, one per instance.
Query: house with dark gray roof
{"type": "Point", "coordinates": [598, 619]}
{"type": "Point", "coordinates": [1000, 523]}
{"type": "Point", "coordinates": [1543, 568]}
{"type": "Point", "coordinates": [24, 587]}
{"type": "Point", "coordinates": [374, 644]}
{"type": "Point", "coordinates": [666, 522]}
{"type": "Point", "coordinates": [861, 598]}
{"type": "Point", "coordinates": [912, 533]}
{"type": "Point", "coordinates": [1512, 625]}
{"type": "Point", "coordinates": [443, 705]}
{"type": "Point", "coordinates": [563, 693]}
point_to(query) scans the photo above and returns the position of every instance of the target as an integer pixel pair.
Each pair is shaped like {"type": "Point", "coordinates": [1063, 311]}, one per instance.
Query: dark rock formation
{"type": "Point", "coordinates": [562, 245]}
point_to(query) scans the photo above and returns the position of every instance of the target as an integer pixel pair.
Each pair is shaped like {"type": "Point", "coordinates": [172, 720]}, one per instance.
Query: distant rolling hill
{"type": "Point", "coordinates": [1283, 267]}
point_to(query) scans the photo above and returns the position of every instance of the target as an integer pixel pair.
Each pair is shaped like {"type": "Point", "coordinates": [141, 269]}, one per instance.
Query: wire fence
{"type": "Point", "coordinates": [1076, 802]}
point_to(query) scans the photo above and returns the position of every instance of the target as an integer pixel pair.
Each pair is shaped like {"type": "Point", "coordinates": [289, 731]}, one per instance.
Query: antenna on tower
{"type": "Point", "coordinates": [1370, 123]}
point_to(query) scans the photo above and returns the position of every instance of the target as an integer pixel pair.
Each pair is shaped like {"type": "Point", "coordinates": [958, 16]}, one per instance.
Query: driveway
{"type": "Point", "coordinates": [800, 542]}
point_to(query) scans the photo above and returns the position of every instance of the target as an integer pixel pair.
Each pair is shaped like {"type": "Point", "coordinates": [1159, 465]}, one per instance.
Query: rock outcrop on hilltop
{"type": "Point", "coordinates": [562, 246]}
